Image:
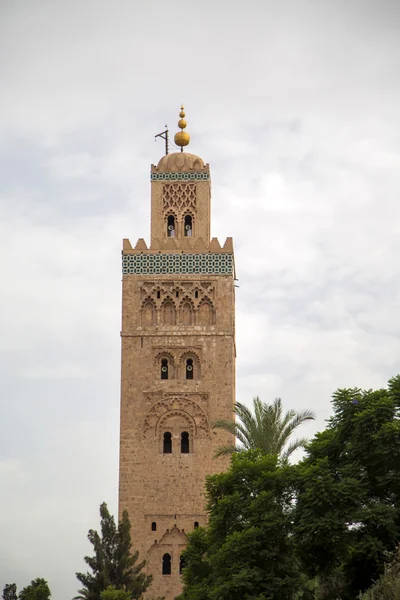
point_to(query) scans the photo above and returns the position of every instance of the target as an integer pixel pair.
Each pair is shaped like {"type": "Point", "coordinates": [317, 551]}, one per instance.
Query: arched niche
{"type": "Point", "coordinates": [148, 317]}
{"type": "Point", "coordinates": [186, 313]}
{"type": "Point", "coordinates": [205, 314]}
{"type": "Point", "coordinates": [168, 313]}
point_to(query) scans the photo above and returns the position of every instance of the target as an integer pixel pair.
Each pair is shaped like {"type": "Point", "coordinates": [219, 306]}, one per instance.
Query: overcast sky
{"type": "Point", "coordinates": [294, 103]}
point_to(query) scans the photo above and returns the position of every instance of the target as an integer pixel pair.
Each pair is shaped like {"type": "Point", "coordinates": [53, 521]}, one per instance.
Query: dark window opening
{"type": "Point", "coordinates": [196, 524]}
{"type": "Point", "coordinates": [188, 226]}
{"type": "Point", "coordinates": [196, 294]}
{"type": "Point", "coordinates": [189, 368]}
{"type": "Point", "coordinates": [181, 565]}
{"type": "Point", "coordinates": [177, 294]}
{"type": "Point", "coordinates": [184, 442]}
{"type": "Point", "coordinates": [158, 294]}
{"type": "Point", "coordinates": [154, 526]}
{"type": "Point", "coordinates": [164, 368]}
{"type": "Point", "coordinates": [166, 564]}
{"type": "Point", "coordinates": [167, 445]}
{"type": "Point", "coordinates": [171, 226]}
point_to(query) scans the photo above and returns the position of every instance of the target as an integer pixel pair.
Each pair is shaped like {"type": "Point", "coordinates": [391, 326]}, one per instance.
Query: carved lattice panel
{"type": "Point", "coordinates": [179, 196]}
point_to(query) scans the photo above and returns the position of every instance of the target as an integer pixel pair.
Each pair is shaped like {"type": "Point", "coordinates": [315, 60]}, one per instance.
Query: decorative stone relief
{"type": "Point", "coordinates": [186, 405]}
{"type": "Point", "coordinates": [179, 197]}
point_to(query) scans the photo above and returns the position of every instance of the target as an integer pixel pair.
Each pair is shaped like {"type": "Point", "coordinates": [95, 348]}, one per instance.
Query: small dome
{"type": "Point", "coordinates": [180, 161]}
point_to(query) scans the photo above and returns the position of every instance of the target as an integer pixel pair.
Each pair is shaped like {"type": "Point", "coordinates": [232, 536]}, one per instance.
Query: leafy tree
{"type": "Point", "coordinates": [246, 551]}
{"type": "Point", "coordinates": [111, 593]}
{"type": "Point", "coordinates": [347, 517]}
{"type": "Point", "coordinates": [10, 591]}
{"type": "Point", "coordinates": [112, 564]}
{"type": "Point", "coordinates": [38, 589]}
{"type": "Point", "coordinates": [267, 428]}
{"type": "Point", "coordinates": [388, 586]}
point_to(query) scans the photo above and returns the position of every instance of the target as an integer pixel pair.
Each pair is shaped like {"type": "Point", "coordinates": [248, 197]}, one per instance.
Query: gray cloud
{"type": "Point", "coordinates": [294, 105]}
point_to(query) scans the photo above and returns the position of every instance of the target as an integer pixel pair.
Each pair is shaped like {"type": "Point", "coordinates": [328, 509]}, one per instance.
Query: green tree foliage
{"type": "Point", "coordinates": [267, 428]}
{"type": "Point", "coordinates": [10, 591]}
{"type": "Point", "coordinates": [246, 551]}
{"type": "Point", "coordinates": [348, 508]}
{"type": "Point", "coordinates": [388, 586]}
{"type": "Point", "coordinates": [112, 563]}
{"type": "Point", "coordinates": [111, 593]}
{"type": "Point", "coordinates": [38, 589]}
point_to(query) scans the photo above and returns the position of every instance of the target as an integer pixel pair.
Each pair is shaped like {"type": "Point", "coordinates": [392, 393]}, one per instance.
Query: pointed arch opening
{"type": "Point", "coordinates": [190, 365]}
{"type": "Point", "coordinates": [166, 564]}
{"type": "Point", "coordinates": [189, 368]}
{"type": "Point", "coordinates": [164, 368]}
{"type": "Point", "coordinates": [185, 445]}
{"type": "Point", "coordinates": [188, 226]}
{"type": "Point", "coordinates": [171, 226]}
{"type": "Point", "coordinates": [167, 442]}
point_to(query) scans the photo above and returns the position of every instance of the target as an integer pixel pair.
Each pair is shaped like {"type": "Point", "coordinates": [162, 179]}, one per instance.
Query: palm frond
{"type": "Point", "coordinates": [226, 425]}
{"type": "Point", "coordinates": [225, 450]}
{"type": "Point", "coordinates": [295, 445]}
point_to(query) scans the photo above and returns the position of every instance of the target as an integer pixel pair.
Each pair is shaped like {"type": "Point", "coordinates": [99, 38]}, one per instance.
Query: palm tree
{"type": "Point", "coordinates": [267, 430]}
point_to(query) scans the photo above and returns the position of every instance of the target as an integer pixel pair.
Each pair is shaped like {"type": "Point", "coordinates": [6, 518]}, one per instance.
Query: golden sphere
{"type": "Point", "coordinates": [182, 114]}
{"type": "Point", "coordinates": [182, 138]}
{"type": "Point", "coordinates": [182, 123]}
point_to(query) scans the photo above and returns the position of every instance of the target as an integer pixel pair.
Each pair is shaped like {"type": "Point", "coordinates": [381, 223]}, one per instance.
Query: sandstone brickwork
{"type": "Point", "coordinates": [178, 367]}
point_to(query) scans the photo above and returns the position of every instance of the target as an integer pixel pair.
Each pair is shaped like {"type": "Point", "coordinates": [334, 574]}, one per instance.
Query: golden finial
{"type": "Point", "coordinates": [182, 138]}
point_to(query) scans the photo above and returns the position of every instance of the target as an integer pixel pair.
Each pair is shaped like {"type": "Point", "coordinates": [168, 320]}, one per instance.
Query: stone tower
{"type": "Point", "coordinates": [178, 365]}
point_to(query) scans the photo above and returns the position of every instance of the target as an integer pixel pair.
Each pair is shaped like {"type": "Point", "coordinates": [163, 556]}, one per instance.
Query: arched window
{"type": "Point", "coordinates": [189, 368]}
{"type": "Point", "coordinates": [167, 443]}
{"type": "Point", "coordinates": [184, 442]}
{"type": "Point", "coordinates": [164, 368]}
{"type": "Point", "coordinates": [196, 524]}
{"type": "Point", "coordinates": [181, 565]}
{"type": "Point", "coordinates": [154, 526]}
{"type": "Point", "coordinates": [171, 226]}
{"type": "Point", "coordinates": [188, 226]}
{"type": "Point", "coordinates": [166, 564]}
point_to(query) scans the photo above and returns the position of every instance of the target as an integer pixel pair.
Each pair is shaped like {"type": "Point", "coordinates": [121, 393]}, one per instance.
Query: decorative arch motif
{"type": "Point", "coordinates": [172, 417]}
{"type": "Point", "coordinates": [190, 355]}
{"type": "Point", "coordinates": [206, 312]}
{"type": "Point", "coordinates": [166, 408]}
{"type": "Point", "coordinates": [168, 312]}
{"type": "Point", "coordinates": [158, 361]}
{"type": "Point", "coordinates": [148, 313]}
{"type": "Point", "coordinates": [186, 311]}
{"type": "Point", "coordinates": [164, 354]}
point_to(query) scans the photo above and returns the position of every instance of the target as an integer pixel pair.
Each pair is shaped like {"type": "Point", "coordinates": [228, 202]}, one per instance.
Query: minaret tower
{"type": "Point", "coordinates": [178, 364]}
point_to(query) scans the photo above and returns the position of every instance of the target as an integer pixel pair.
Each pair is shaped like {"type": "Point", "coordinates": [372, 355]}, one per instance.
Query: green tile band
{"type": "Point", "coordinates": [157, 264]}
{"type": "Point", "coordinates": [179, 176]}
